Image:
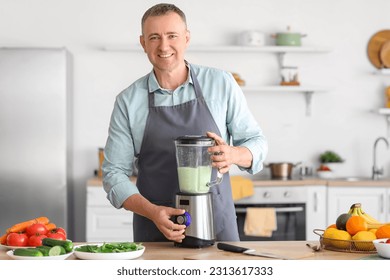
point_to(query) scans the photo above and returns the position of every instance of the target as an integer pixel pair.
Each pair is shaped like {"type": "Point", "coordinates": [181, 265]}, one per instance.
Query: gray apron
{"type": "Point", "coordinates": [157, 170]}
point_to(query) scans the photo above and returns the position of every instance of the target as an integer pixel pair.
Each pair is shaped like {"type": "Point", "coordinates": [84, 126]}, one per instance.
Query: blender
{"type": "Point", "coordinates": [194, 173]}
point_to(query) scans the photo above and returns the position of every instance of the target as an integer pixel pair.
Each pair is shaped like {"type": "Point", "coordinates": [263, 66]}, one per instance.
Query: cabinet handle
{"type": "Point", "coordinates": [382, 203]}
{"type": "Point", "coordinates": [127, 223]}
{"type": "Point", "coordinates": [315, 202]}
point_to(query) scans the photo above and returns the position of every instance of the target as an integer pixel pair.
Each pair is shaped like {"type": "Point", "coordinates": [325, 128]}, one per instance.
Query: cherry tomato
{"type": "Point", "coordinates": [36, 229]}
{"type": "Point", "coordinates": [56, 235]}
{"type": "Point", "coordinates": [17, 239]}
{"type": "Point", "coordinates": [59, 230]}
{"type": "Point", "coordinates": [36, 240]}
{"type": "Point", "coordinates": [388, 241]}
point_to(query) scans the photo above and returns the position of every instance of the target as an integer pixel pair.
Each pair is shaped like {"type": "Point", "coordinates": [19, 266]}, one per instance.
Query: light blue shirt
{"type": "Point", "coordinates": [226, 103]}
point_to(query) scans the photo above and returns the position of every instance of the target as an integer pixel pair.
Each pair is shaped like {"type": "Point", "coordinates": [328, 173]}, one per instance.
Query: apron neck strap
{"type": "Point", "coordinates": [197, 89]}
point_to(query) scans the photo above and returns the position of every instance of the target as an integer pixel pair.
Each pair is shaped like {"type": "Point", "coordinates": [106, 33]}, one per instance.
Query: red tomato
{"type": "Point", "coordinates": [17, 239]}
{"type": "Point", "coordinates": [388, 240]}
{"type": "Point", "coordinates": [59, 230]}
{"type": "Point", "coordinates": [36, 229]}
{"type": "Point", "coordinates": [56, 235]}
{"type": "Point", "coordinates": [36, 240]}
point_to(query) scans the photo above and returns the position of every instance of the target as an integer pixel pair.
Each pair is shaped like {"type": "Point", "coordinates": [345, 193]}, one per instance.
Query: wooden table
{"type": "Point", "coordinates": [291, 249]}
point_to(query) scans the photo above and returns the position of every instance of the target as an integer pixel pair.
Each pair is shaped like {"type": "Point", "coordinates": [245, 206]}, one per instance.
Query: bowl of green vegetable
{"type": "Point", "coordinates": [109, 251]}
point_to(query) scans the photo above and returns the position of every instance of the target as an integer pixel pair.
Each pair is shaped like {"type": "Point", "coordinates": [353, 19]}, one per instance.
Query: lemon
{"type": "Point", "coordinates": [328, 234]}
{"type": "Point", "coordinates": [363, 240]}
{"type": "Point", "coordinates": [341, 239]}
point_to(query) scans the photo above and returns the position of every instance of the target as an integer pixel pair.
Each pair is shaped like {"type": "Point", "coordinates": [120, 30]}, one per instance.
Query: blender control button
{"type": "Point", "coordinates": [184, 219]}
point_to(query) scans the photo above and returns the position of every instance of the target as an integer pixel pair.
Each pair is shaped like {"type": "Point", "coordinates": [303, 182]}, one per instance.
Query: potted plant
{"type": "Point", "coordinates": [330, 157]}
{"type": "Point", "coordinates": [329, 162]}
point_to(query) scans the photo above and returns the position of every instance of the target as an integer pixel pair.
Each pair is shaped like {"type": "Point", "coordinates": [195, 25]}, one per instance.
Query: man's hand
{"type": "Point", "coordinates": [224, 155]}
{"type": "Point", "coordinates": [161, 217]}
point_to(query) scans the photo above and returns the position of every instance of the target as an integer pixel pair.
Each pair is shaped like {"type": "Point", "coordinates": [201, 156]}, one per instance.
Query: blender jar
{"type": "Point", "coordinates": [194, 163]}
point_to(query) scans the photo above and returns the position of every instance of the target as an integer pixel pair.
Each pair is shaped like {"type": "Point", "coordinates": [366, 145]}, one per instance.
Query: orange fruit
{"type": "Point", "coordinates": [356, 224]}
{"type": "Point", "coordinates": [383, 232]}
{"type": "Point", "coordinates": [332, 226]}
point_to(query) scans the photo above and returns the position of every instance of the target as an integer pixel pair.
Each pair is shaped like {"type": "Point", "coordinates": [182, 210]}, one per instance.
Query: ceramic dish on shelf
{"type": "Point", "coordinates": [10, 253]}
{"type": "Point", "coordinates": [374, 47]}
{"type": "Point", "coordinates": [108, 256]}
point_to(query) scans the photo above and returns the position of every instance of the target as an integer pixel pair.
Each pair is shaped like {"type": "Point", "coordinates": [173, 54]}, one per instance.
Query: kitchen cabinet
{"type": "Point", "coordinates": [104, 221]}
{"type": "Point", "coordinates": [316, 214]}
{"type": "Point", "coordinates": [280, 51]}
{"type": "Point", "coordinates": [374, 200]}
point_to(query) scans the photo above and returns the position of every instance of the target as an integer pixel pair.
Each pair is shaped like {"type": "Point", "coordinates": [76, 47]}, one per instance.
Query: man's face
{"type": "Point", "coordinates": [164, 40]}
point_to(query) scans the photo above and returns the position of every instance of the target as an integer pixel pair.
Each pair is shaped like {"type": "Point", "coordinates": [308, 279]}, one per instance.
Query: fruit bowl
{"type": "Point", "coordinates": [351, 246]}
{"type": "Point", "coordinates": [325, 174]}
{"type": "Point", "coordinates": [382, 247]}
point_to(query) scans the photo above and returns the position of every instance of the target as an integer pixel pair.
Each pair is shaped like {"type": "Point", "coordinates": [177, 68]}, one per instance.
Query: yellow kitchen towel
{"type": "Point", "coordinates": [260, 221]}
{"type": "Point", "coordinates": [241, 187]}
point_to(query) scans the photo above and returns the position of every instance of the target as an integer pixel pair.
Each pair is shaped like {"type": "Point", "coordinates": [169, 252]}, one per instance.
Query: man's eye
{"type": "Point", "coordinates": [172, 36]}
{"type": "Point", "coordinates": [152, 38]}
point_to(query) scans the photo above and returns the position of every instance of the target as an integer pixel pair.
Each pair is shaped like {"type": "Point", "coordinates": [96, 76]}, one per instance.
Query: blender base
{"type": "Point", "coordinates": [192, 242]}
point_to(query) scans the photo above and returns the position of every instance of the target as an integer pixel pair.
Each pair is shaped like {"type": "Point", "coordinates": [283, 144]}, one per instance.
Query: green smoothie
{"type": "Point", "coordinates": [194, 180]}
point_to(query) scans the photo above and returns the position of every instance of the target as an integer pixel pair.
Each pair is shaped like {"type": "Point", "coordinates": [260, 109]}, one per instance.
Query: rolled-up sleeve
{"type": "Point", "coordinates": [118, 157]}
{"type": "Point", "coordinates": [244, 129]}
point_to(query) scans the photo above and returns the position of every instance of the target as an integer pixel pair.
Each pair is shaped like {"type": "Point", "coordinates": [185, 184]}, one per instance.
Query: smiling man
{"type": "Point", "coordinates": [176, 98]}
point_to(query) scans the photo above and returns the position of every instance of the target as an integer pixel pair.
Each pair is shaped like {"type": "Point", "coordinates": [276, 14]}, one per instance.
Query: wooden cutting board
{"type": "Point", "coordinates": [375, 45]}
{"type": "Point", "coordinates": [224, 255]}
{"type": "Point", "coordinates": [385, 54]}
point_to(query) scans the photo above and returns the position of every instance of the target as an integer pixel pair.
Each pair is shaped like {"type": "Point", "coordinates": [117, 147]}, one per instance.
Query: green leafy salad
{"type": "Point", "coordinates": [114, 247]}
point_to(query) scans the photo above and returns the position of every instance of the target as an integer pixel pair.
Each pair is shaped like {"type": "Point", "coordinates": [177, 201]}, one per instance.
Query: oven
{"type": "Point", "coordinates": [290, 205]}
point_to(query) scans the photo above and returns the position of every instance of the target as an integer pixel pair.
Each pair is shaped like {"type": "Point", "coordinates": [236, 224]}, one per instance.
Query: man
{"type": "Point", "coordinates": [175, 99]}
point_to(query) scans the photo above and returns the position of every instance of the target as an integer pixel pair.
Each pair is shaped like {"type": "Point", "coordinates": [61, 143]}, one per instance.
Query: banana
{"type": "Point", "coordinates": [369, 219]}
{"type": "Point", "coordinates": [374, 226]}
{"type": "Point", "coordinates": [354, 211]}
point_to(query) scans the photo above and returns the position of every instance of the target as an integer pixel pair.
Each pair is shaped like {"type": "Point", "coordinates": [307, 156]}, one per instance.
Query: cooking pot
{"type": "Point", "coordinates": [281, 170]}
{"type": "Point", "coordinates": [288, 38]}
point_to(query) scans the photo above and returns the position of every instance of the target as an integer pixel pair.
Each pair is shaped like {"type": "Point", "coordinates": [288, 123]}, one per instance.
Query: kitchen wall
{"type": "Point", "coordinates": [341, 118]}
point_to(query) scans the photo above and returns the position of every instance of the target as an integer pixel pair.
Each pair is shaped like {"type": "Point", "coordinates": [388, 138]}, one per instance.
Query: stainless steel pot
{"type": "Point", "coordinates": [281, 170]}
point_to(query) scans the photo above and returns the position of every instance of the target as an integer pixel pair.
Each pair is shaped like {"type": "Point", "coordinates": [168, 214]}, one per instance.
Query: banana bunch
{"type": "Point", "coordinates": [356, 210]}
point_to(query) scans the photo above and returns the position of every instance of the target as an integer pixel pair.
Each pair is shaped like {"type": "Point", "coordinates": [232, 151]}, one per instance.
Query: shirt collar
{"type": "Point", "coordinates": [155, 87]}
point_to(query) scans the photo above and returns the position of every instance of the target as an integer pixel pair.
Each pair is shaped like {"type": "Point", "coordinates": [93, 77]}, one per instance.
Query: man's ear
{"type": "Point", "coordinates": [188, 37]}
{"type": "Point", "coordinates": [142, 42]}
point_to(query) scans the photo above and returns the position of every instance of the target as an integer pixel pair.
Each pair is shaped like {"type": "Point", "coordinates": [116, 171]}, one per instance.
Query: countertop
{"type": "Point", "coordinates": [291, 249]}
{"type": "Point", "coordinates": [310, 181]}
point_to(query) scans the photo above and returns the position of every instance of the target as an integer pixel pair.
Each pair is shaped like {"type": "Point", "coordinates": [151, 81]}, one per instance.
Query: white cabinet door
{"type": "Point", "coordinates": [315, 211]}
{"type": "Point", "coordinates": [105, 223]}
{"type": "Point", "coordinates": [374, 201]}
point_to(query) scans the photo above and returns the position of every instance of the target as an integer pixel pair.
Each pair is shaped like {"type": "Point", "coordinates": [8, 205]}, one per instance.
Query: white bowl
{"type": "Point", "coordinates": [325, 174]}
{"type": "Point", "coordinates": [383, 249]}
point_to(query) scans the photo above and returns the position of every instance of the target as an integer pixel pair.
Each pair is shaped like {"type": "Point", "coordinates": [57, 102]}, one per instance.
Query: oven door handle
{"type": "Point", "coordinates": [277, 209]}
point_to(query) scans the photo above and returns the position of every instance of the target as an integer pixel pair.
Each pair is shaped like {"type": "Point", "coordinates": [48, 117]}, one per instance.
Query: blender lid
{"type": "Point", "coordinates": [195, 139]}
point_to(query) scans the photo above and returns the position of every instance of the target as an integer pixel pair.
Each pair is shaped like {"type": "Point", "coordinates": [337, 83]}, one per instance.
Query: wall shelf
{"type": "Point", "coordinates": [385, 112]}
{"type": "Point", "coordinates": [280, 51]}
{"type": "Point", "coordinates": [384, 71]}
{"type": "Point", "coordinates": [240, 49]}
{"type": "Point", "coordinates": [308, 91]}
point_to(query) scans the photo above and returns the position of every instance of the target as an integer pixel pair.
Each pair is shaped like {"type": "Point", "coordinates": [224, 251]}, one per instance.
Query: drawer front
{"type": "Point", "coordinates": [105, 224]}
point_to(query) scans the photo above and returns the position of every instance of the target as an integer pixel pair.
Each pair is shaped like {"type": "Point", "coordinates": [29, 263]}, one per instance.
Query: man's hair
{"type": "Point", "coordinates": [162, 9]}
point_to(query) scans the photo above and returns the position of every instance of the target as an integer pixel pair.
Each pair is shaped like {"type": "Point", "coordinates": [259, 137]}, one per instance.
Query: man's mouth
{"type": "Point", "coordinates": [165, 55]}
